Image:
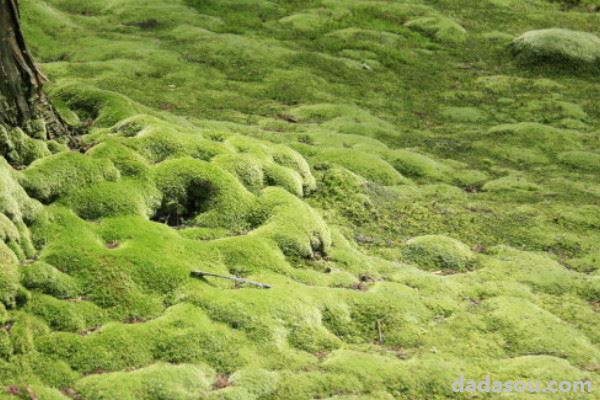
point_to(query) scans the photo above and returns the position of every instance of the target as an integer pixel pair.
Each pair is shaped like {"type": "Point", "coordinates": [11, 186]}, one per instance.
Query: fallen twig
{"type": "Point", "coordinates": [380, 332]}
{"type": "Point", "coordinates": [202, 274]}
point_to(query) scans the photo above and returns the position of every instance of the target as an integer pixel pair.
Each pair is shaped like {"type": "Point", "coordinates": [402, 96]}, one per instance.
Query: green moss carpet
{"type": "Point", "coordinates": [418, 180]}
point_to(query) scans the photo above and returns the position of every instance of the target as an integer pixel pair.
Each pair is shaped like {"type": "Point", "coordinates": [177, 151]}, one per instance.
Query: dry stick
{"type": "Point", "coordinates": [202, 274]}
{"type": "Point", "coordinates": [380, 331]}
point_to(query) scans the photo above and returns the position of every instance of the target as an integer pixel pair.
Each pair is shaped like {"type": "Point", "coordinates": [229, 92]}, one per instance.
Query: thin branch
{"type": "Point", "coordinates": [202, 274]}
{"type": "Point", "coordinates": [380, 332]}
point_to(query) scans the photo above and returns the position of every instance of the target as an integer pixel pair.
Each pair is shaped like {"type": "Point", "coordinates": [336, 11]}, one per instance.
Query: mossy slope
{"type": "Point", "coordinates": [423, 202]}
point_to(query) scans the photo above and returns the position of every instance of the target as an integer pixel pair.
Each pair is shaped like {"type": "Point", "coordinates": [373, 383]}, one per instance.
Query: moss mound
{"type": "Point", "coordinates": [440, 28]}
{"type": "Point", "coordinates": [439, 252]}
{"type": "Point", "coordinates": [159, 381]}
{"type": "Point", "coordinates": [557, 46]}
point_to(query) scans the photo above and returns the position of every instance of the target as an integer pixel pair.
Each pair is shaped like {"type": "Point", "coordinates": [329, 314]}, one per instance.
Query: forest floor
{"type": "Point", "coordinates": [423, 198]}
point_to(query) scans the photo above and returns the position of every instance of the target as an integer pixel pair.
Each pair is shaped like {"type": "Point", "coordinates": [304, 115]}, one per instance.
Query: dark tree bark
{"type": "Point", "coordinates": [22, 101]}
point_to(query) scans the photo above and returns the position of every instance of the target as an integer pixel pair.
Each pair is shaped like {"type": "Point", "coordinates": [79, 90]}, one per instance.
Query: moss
{"type": "Point", "coordinates": [392, 374]}
{"type": "Point", "coordinates": [292, 87]}
{"type": "Point", "coordinates": [246, 167]}
{"type": "Point", "coordinates": [49, 280]}
{"type": "Point", "coordinates": [440, 28]}
{"type": "Point", "coordinates": [290, 180]}
{"type": "Point", "coordinates": [20, 149]}
{"type": "Point", "coordinates": [439, 252]}
{"type": "Point", "coordinates": [463, 114]}
{"type": "Point", "coordinates": [528, 143]}
{"type": "Point", "coordinates": [127, 161]}
{"type": "Point", "coordinates": [510, 183]}
{"type": "Point", "coordinates": [37, 391]}
{"type": "Point", "coordinates": [343, 118]}
{"type": "Point", "coordinates": [367, 165]}
{"type": "Point", "coordinates": [196, 191]}
{"type": "Point", "coordinates": [257, 254]}
{"type": "Point", "coordinates": [13, 199]}
{"type": "Point", "coordinates": [102, 107]}
{"type": "Point", "coordinates": [517, 320]}
{"type": "Point", "coordinates": [24, 329]}
{"type": "Point", "coordinates": [57, 175]}
{"type": "Point", "coordinates": [581, 160]}
{"type": "Point", "coordinates": [557, 46]}
{"type": "Point", "coordinates": [289, 158]}
{"type": "Point", "coordinates": [109, 199]}
{"type": "Point", "coordinates": [346, 192]}
{"type": "Point", "coordinates": [9, 279]}
{"type": "Point", "coordinates": [313, 20]}
{"type": "Point", "coordinates": [61, 315]}
{"type": "Point", "coordinates": [185, 96]}
{"type": "Point", "coordinates": [588, 263]}
{"type": "Point", "coordinates": [157, 140]}
{"type": "Point", "coordinates": [184, 334]}
{"type": "Point", "coordinates": [298, 229]}
{"type": "Point", "coordinates": [313, 339]}
{"type": "Point", "coordinates": [416, 165]}
{"type": "Point", "coordinates": [553, 109]}
{"type": "Point", "coordinates": [159, 381]}
{"type": "Point", "coordinates": [256, 380]}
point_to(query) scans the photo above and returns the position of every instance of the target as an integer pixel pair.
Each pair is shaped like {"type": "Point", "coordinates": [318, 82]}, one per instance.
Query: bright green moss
{"type": "Point", "coordinates": [246, 167]}
{"type": "Point", "coordinates": [159, 381]}
{"type": "Point", "coordinates": [158, 141]}
{"type": "Point", "coordinates": [187, 99]}
{"type": "Point", "coordinates": [251, 254]}
{"type": "Point", "coordinates": [293, 87]}
{"type": "Point", "coordinates": [557, 46]}
{"type": "Point", "coordinates": [535, 135]}
{"type": "Point", "coordinates": [127, 161]}
{"type": "Point", "coordinates": [363, 164]}
{"type": "Point", "coordinates": [439, 252]}
{"type": "Point", "coordinates": [343, 118]}
{"type": "Point", "coordinates": [581, 160]}
{"type": "Point", "coordinates": [9, 277]}
{"type": "Point", "coordinates": [510, 183]}
{"type": "Point", "coordinates": [344, 191]}
{"type": "Point", "coordinates": [102, 107]}
{"type": "Point", "coordinates": [287, 157]}
{"type": "Point", "coordinates": [313, 339]}
{"type": "Point", "coordinates": [20, 149]}
{"type": "Point", "coordinates": [49, 280]}
{"type": "Point", "coordinates": [588, 263]}
{"type": "Point", "coordinates": [61, 315]}
{"type": "Point", "coordinates": [463, 114]}
{"type": "Point", "coordinates": [57, 175]}
{"type": "Point", "coordinates": [198, 192]}
{"type": "Point", "coordinates": [520, 266]}
{"type": "Point", "coordinates": [517, 321]}
{"type": "Point", "coordinates": [290, 180]}
{"type": "Point", "coordinates": [255, 382]}
{"type": "Point", "coordinates": [439, 28]}
{"type": "Point", "coordinates": [416, 165]}
{"type": "Point", "coordinates": [311, 384]}
{"type": "Point", "coordinates": [110, 199]}
{"type": "Point", "coordinates": [375, 371]}
{"type": "Point", "coordinates": [298, 229]}
{"type": "Point", "coordinates": [528, 143]}
{"type": "Point", "coordinates": [13, 199]}
{"type": "Point", "coordinates": [184, 334]}
{"type": "Point", "coordinates": [553, 109]}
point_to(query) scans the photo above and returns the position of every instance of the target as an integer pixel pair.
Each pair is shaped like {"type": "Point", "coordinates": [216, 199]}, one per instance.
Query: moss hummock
{"type": "Point", "coordinates": [439, 252]}
{"type": "Point", "coordinates": [557, 46]}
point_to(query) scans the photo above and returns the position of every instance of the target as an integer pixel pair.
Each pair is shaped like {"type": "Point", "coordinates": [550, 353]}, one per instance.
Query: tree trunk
{"type": "Point", "coordinates": [22, 102]}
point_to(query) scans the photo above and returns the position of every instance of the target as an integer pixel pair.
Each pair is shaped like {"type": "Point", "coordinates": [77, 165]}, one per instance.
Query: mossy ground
{"type": "Point", "coordinates": [424, 204]}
